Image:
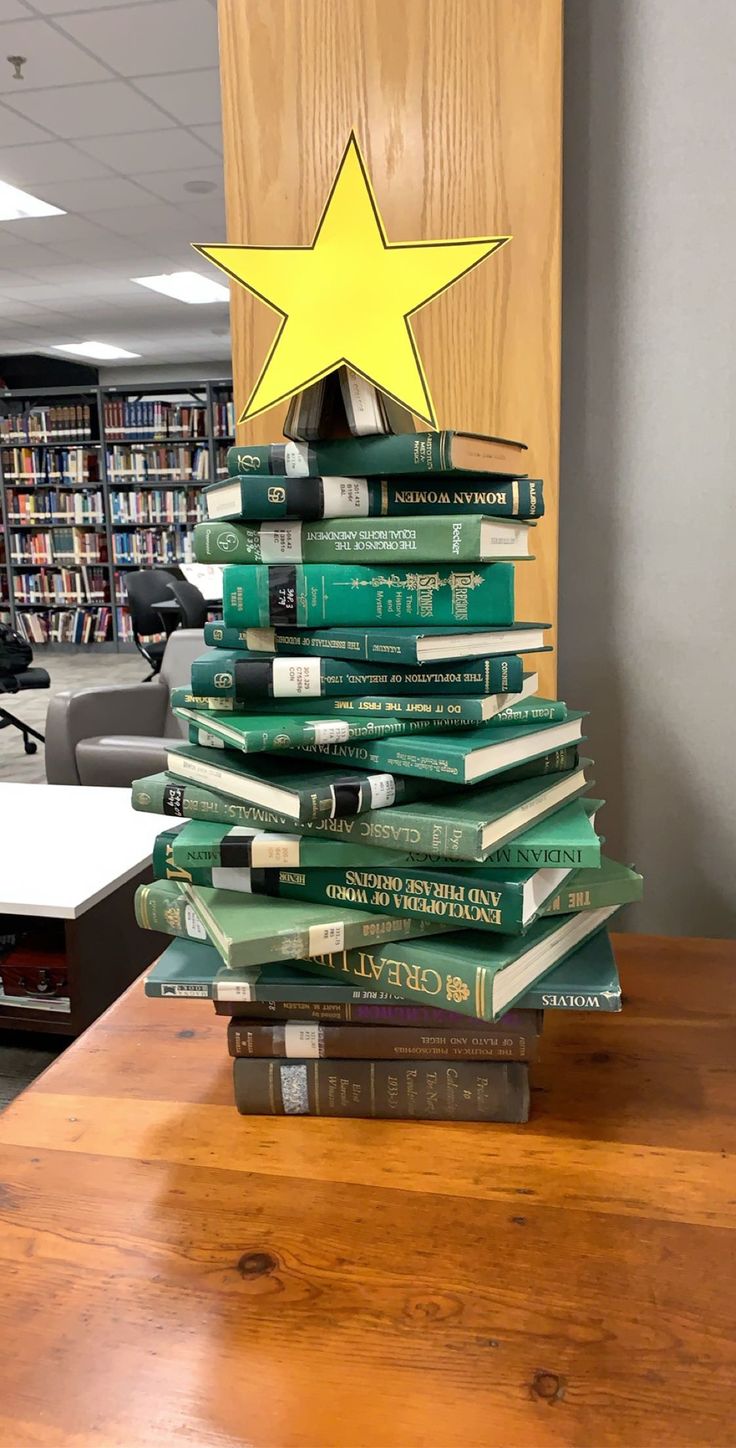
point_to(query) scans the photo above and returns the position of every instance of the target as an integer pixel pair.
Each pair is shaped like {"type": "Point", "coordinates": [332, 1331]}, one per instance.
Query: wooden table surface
{"type": "Point", "coordinates": [174, 1274]}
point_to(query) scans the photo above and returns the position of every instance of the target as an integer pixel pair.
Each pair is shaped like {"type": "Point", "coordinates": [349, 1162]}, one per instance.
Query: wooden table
{"type": "Point", "coordinates": [173, 1274]}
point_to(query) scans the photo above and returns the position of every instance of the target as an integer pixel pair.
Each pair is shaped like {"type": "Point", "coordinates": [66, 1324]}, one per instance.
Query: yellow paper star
{"type": "Point", "coordinates": [348, 297]}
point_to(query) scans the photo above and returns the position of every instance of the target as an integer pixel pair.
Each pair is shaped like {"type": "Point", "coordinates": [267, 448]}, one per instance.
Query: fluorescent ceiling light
{"type": "Point", "coordinates": [16, 204]}
{"type": "Point", "coordinates": [101, 351]}
{"type": "Point", "coordinates": [185, 286]}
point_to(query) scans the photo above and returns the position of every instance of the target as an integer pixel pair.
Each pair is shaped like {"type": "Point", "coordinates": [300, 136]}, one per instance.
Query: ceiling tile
{"type": "Point", "coordinates": [90, 110]}
{"type": "Point", "coordinates": [90, 196]}
{"type": "Point", "coordinates": [15, 130]}
{"type": "Point", "coordinates": [174, 186]}
{"type": "Point", "coordinates": [53, 59]}
{"type": "Point", "coordinates": [193, 99]}
{"type": "Point", "coordinates": [30, 166]}
{"type": "Point", "coordinates": [15, 10]}
{"type": "Point", "coordinates": [99, 247]}
{"type": "Point", "coordinates": [174, 35]}
{"type": "Point", "coordinates": [142, 151]}
{"type": "Point", "coordinates": [211, 135]}
{"type": "Point", "coordinates": [47, 230]}
{"type": "Point", "coordinates": [18, 256]}
{"type": "Point", "coordinates": [134, 221]}
{"type": "Point", "coordinates": [61, 7]}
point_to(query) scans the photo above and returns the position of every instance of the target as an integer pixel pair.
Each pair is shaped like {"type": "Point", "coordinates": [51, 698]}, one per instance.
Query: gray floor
{"type": "Point", "coordinates": [24, 1056]}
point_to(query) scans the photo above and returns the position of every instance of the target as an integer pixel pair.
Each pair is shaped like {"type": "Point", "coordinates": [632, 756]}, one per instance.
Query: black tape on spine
{"type": "Point", "coordinates": [236, 852]}
{"type": "Point", "coordinates": [264, 881]}
{"type": "Point", "coordinates": [347, 797]}
{"type": "Point", "coordinates": [305, 498]}
{"type": "Point", "coordinates": [282, 593]}
{"type": "Point", "coordinates": [253, 678]}
{"type": "Point", "coordinates": [174, 799]}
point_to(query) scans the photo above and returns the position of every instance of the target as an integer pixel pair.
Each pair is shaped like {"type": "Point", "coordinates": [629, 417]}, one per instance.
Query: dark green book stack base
{"type": "Point", "coordinates": [383, 864]}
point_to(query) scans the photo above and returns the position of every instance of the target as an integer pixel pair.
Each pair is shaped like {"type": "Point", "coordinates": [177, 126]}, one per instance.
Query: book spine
{"type": "Point", "coordinates": [311, 499]}
{"type": "Point", "coordinates": [558, 761]}
{"type": "Point", "coordinates": [443, 898]}
{"type": "Point", "coordinates": [263, 1039]}
{"type": "Point", "coordinates": [295, 732]}
{"type": "Point", "coordinates": [531, 711]}
{"type": "Point", "coordinates": [518, 856]}
{"type": "Point", "coordinates": [457, 711]}
{"type": "Point", "coordinates": [425, 452]}
{"type": "Point", "coordinates": [225, 674]}
{"type": "Point", "coordinates": [338, 540]}
{"type": "Point", "coordinates": [457, 984]}
{"type": "Point", "coordinates": [592, 894]}
{"type": "Point", "coordinates": [309, 593]}
{"type": "Point", "coordinates": [421, 1090]}
{"type": "Point", "coordinates": [158, 907]}
{"type": "Point", "coordinates": [370, 1012]}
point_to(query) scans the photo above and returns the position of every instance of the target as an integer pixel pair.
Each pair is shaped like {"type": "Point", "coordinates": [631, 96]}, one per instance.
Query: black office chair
{"type": "Point", "coordinates": [146, 587]}
{"type": "Point", "coordinates": [192, 603]}
{"type": "Point", "coordinates": [13, 684]}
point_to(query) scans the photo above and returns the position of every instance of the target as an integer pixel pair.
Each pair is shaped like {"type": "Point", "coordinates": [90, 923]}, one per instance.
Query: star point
{"type": "Point", "coordinates": [348, 298]}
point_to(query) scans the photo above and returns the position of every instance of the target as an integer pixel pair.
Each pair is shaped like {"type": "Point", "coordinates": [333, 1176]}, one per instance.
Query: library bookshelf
{"type": "Point", "coordinates": [95, 482]}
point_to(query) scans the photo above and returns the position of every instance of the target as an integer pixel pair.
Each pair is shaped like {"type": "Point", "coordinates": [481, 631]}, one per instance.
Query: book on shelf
{"type": "Point", "coordinates": [467, 825]}
{"type": "Point", "coordinates": [259, 930]}
{"type": "Point", "coordinates": [427, 453]}
{"type": "Point", "coordinates": [217, 854]}
{"type": "Point", "coordinates": [403, 1090]}
{"type": "Point", "coordinates": [344, 404]}
{"type": "Point", "coordinates": [384, 645]}
{"type": "Point", "coordinates": [303, 594]}
{"type": "Point", "coordinates": [467, 538]}
{"type": "Point", "coordinates": [144, 420]}
{"type": "Point", "coordinates": [41, 424]}
{"type": "Point", "coordinates": [275, 498]}
{"type": "Point", "coordinates": [248, 677]}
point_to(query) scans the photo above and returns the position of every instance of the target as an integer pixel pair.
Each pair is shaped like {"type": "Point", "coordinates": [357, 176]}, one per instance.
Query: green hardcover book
{"type": "Point", "coordinates": [373, 456]}
{"type": "Point", "coordinates": [467, 826]}
{"type": "Point", "coordinates": [587, 980]}
{"type": "Point", "coordinates": [611, 884]}
{"type": "Point", "coordinates": [212, 854]}
{"type": "Point", "coordinates": [481, 898]}
{"type": "Point", "coordinates": [450, 710]}
{"type": "Point", "coordinates": [254, 931]}
{"type": "Point", "coordinates": [271, 498]}
{"type": "Point", "coordinates": [249, 677]}
{"type": "Point", "coordinates": [469, 971]}
{"type": "Point", "coordinates": [384, 1090]}
{"type": "Point", "coordinates": [386, 646]}
{"type": "Point", "coordinates": [468, 538]}
{"type": "Point", "coordinates": [324, 593]}
{"type": "Point", "coordinates": [259, 733]}
{"type": "Point", "coordinates": [467, 758]}
{"type": "Point", "coordinates": [307, 793]}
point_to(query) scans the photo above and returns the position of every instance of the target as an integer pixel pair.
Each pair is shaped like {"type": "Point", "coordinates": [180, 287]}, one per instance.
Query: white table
{"type": "Point", "coordinates": [76, 856]}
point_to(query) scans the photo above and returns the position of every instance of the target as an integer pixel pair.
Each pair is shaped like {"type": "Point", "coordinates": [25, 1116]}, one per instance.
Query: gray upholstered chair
{"type": "Point", "coordinates": [116, 733]}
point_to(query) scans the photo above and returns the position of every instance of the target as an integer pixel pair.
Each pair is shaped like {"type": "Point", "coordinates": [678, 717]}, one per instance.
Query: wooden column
{"type": "Point", "coordinates": [457, 104]}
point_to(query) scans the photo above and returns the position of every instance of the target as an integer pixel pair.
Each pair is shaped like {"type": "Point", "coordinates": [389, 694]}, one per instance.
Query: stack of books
{"type": "Point", "coordinates": [383, 865]}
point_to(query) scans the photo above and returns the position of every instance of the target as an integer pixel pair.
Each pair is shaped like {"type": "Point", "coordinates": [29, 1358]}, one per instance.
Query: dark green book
{"type": "Point", "coordinates": [307, 793]}
{"type": "Point", "coordinates": [450, 710]}
{"type": "Point", "coordinates": [252, 930]}
{"type": "Point", "coordinates": [486, 899]}
{"type": "Point", "coordinates": [587, 980]}
{"type": "Point", "coordinates": [222, 855]}
{"type": "Point", "coordinates": [373, 456]}
{"type": "Point", "coordinates": [384, 1090]}
{"type": "Point", "coordinates": [460, 826]}
{"type": "Point", "coordinates": [258, 733]}
{"type": "Point", "coordinates": [467, 757]}
{"type": "Point", "coordinates": [272, 498]}
{"type": "Point", "coordinates": [249, 678]}
{"type": "Point", "coordinates": [303, 594]}
{"type": "Point", "coordinates": [469, 971]}
{"type": "Point", "coordinates": [612, 884]}
{"type": "Point", "coordinates": [463, 537]}
{"type": "Point", "coordinates": [386, 646]}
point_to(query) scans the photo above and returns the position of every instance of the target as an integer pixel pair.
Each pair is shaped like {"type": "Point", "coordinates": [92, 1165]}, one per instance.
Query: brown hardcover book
{"type": "Point", "coordinates": [383, 1012]}
{"type": "Point", "coordinates": [403, 1090]}
{"type": "Point", "coordinates": [309, 1039]}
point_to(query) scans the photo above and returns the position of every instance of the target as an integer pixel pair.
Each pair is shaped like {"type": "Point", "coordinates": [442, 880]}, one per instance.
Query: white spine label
{"type": "Point", "coordinates": [209, 740]}
{"type": "Point", "coordinates": [236, 990]}
{"type": "Point", "coordinates": [383, 790]}
{"type": "Point", "coordinates": [329, 731]}
{"type": "Point", "coordinates": [279, 541]}
{"type": "Point", "coordinates": [231, 878]}
{"type": "Point", "coordinates": [296, 460]}
{"type": "Point", "coordinates": [277, 851]}
{"type": "Point", "coordinates": [323, 939]}
{"type": "Point", "coordinates": [296, 678]}
{"type": "Point", "coordinates": [193, 925]}
{"type": "Point", "coordinates": [302, 1039]}
{"type": "Point", "coordinates": [345, 497]}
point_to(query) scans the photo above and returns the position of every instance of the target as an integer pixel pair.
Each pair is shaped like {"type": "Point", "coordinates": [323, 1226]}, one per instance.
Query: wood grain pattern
{"type": "Point", "coordinates": [457, 104]}
{"type": "Point", "coordinates": [172, 1273]}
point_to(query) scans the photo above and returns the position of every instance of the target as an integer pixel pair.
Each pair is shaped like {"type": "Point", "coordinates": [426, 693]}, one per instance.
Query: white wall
{"type": "Point", "coordinates": [648, 535]}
